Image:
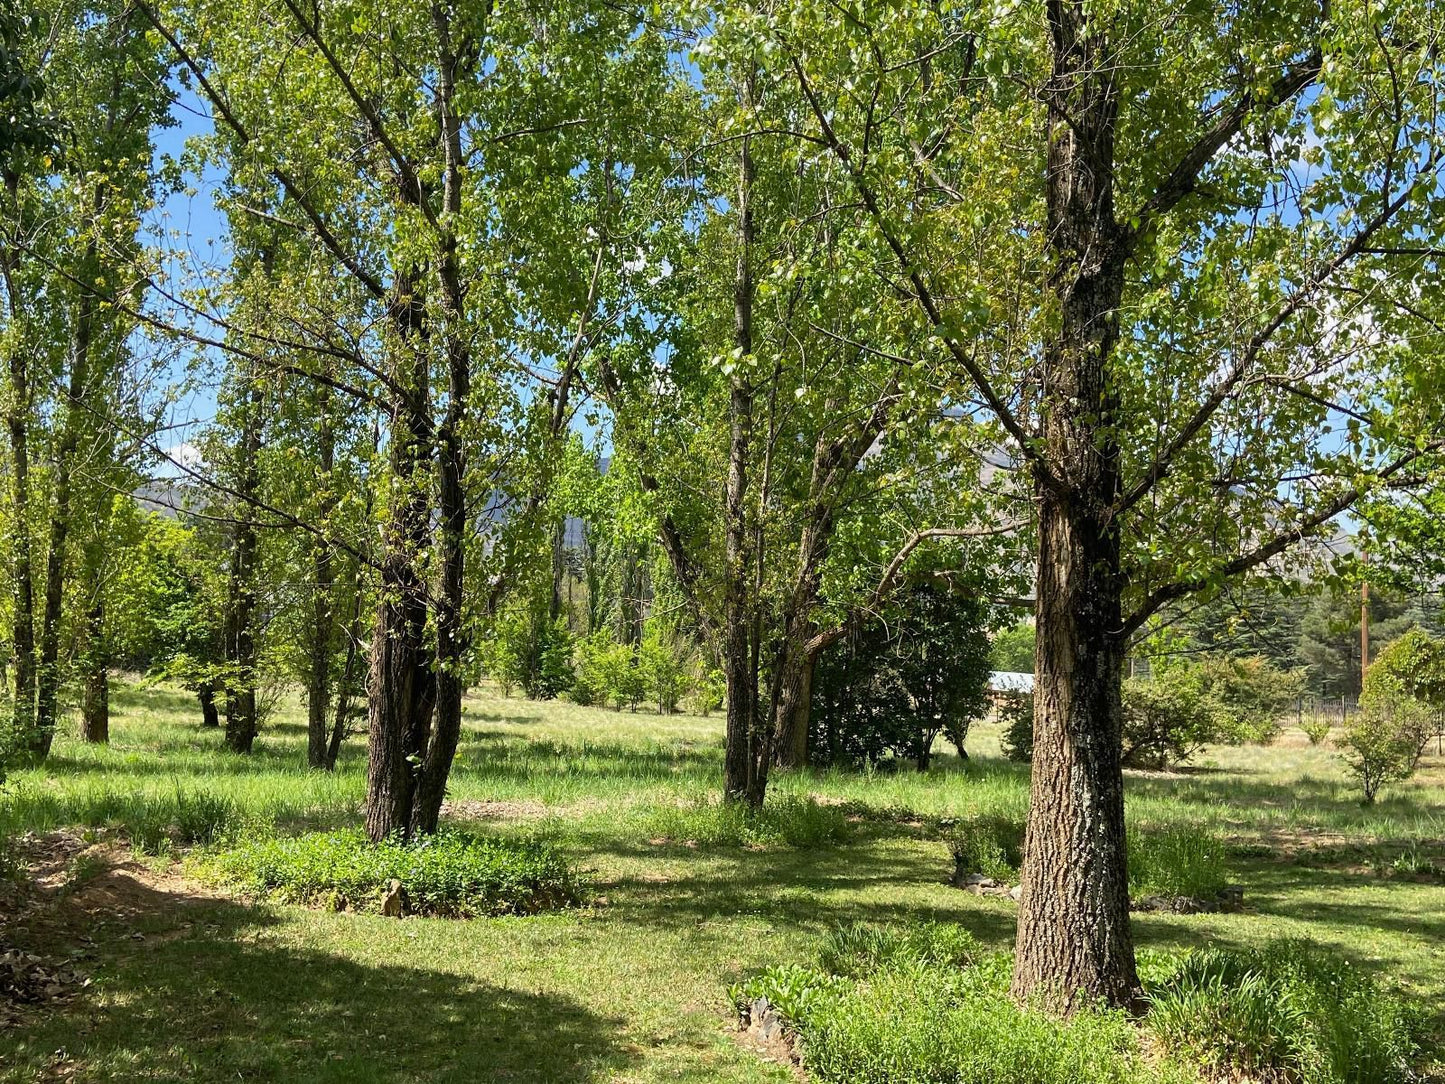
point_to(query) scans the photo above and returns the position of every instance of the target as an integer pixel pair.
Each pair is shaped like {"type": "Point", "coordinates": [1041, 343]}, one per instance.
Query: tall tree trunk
{"type": "Point", "coordinates": [341, 720]}
{"type": "Point", "coordinates": [318, 678]}
{"type": "Point", "coordinates": [241, 635]}
{"type": "Point", "coordinates": [452, 462]}
{"type": "Point", "coordinates": [48, 672]}
{"type": "Point", "coordinates": [400, 696]}
{"type": "Point", "coordinates": [1074, 941]}
{"type": "Point", "coordinates": [95, 688]}
{"type": "Point", "coordinates": [739, 762]}
{"type": "Point", "coordinates": [21, 571]}
{"type": "Point", "coordinates": [206, 696]}
{"type": "Point", "coordinates": [95, 692]}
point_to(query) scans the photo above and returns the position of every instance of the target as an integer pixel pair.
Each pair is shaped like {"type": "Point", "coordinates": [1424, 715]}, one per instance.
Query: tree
{"type": "Point", "coordinates": [1013, 649]}
{"type": "Point", "coordinates": [1181, 303]}
{"type": "Point", "coordinates": [895, 685]}
{"type": "Point", "coordinates": [70, 228]}
{"type": "Point", "coordinates": [457, 262]}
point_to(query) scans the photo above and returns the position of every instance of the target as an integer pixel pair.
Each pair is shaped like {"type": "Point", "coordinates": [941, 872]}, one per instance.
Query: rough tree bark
{"type": "Point", "coordinates": [48, 669]}
{"type": "Point", "coordinates": [21, 571]}
{"type": "Point", "coordinates": [1074, 940]}
{"type": "Point", "coordinates": [318, 678]}
{"type": "Point", "coordinates": [241, 602]}
{"type": "Point", "coordinates": [401, 682]}
{"type": "Point", "coordinates": [740, 764]}
{"type": "Point", "coordinates": [452, 460]}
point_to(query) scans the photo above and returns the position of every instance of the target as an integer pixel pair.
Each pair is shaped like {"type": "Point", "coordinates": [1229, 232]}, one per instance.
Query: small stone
{"type": "Point", "coordinates": [757, 1010]}
{"type": "Point", "coordinates": [771, 1028]}
{"type": "Point", "coordinates": [1016, 893]}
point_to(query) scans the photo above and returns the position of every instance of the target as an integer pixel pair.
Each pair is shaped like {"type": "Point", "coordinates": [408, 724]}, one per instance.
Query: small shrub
{"type": "Point", "coordinates": [991, 846]}
{"type": "Point", "coordinates": [1248, 697]}
{"type": "Point", "coordinates": [1176, 862]}
{"type": "Point", "coordinates": [1379, 747]}
{"type": "Point", "coordinates": [449, 874]}
{"type": "Point", "coordinates": [1316, 729]}
{"type": "Point", "coordinates": [1166, 719]}
{"type": "Point", "coordinates": [1017, 715]}
{"type": "Point", "coordinates": [1289, 1012]}
{"type": "Point", "coordinates": [859, 949]}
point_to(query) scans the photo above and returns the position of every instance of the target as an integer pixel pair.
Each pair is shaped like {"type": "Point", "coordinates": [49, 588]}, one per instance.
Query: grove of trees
{"type": "Point", "coordinates": [755, 356]}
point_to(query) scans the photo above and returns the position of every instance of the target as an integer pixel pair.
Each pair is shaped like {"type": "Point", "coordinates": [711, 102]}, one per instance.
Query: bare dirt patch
{"type": "Point", "coordinates": [73, 890]}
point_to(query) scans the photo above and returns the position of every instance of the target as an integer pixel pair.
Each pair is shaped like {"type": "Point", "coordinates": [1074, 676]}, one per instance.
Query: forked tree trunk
{"type": "Point", "coordinates": [1074, 942]}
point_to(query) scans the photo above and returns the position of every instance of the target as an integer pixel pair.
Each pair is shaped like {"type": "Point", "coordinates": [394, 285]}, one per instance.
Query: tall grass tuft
{"type": "Point", "coordinates": [1290, 1012]}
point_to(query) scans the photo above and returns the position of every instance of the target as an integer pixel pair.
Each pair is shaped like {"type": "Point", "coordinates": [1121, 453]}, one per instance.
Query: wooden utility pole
{"type": "Point", "coordinates": [1364, 624]}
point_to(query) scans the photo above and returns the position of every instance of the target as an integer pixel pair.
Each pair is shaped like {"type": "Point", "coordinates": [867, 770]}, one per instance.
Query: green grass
{"type": "Point", "coordinates": [633, 988]}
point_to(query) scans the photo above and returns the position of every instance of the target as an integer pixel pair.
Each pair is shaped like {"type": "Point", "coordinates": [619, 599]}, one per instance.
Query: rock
{"type": "Point", "coordinates": [1231, 898]}
{"type": "Point", "coordinates": [771, 1027]}
{"type": "Point", "coordinates": [758, 1009]}
{"type": "Point", "coordinates": [394, 902]}
{"type": "Point", "coordinates": [1016, 893]}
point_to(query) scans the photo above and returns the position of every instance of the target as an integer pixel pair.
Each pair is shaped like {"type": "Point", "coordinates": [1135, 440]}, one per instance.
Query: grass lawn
{"type": "Point", "coordinates": [191, 985]}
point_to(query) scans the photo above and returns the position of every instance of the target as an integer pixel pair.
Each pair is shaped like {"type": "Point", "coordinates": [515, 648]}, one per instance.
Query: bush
{"type": "Point", "coordinates": [1379, 747]}
{"type": "Point", "coordinates": [662, 660]}
{"type": "Point", "coordinates": [1166, 719]}
{"type": "Point", "coordinates": [1289, 1012]}
{"type": "Point", "coordinates": [1017, 715]}
{"type": "Point", "coordinates": [991, 846]}
{"type": "Point", "coordinates": [530, 650]}
{"type": "Point", "coordinates": [1316, 729]}
{"type": "Point", "coordinates": [785, 820]}
{"type": "Point", "coordinates": [449, 874]}
{"type": "Point", "coordinates": [1176, 862]}
{"type": "Point", "coordinates": [1248, 697]}
{"type": "Point", "coordinates": [890, 689]}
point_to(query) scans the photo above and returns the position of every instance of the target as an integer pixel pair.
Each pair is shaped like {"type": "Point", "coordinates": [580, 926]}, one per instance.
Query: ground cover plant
{"type": "Point", "coordinates": [450, 874]}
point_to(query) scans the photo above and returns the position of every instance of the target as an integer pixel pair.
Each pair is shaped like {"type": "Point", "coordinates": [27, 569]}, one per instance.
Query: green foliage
{"type": "Point", "coordinates": [793, 991]}
{"type": "Point", "coordinates": [859, 949]}
{"type": "Point", "coordinates": [1176, 861]}
{"type": "Point", "coordinates": [989, 845]}
{"type": "Point", "coordinates": [1016, 712]}
{"type": "Point", "coordinates": [1381, 745]}
{"type": "Point", "coordinates": [530, 650]}
{"type": "Point", "coordinates": [890, 689]}
{"type": "Point", "coordinates": [1316, 729]}
{"type": "Point", "coordinates": [932, 1025]}
{"type": "Point", "coordinates": [450, 874]}
{"type": "Point", "coordinates": [1012, 650]}
{"type": "Point", "coordinates": [1289, 1012]}
{"type": "Point", "coordinates": [662, 658]}
{"type": "Point", "coordinates": [1248, 697]}
{"type": "Point", "coordinates": [785, 820]}
{"type": "Point", "coordinates": [1165, 719]}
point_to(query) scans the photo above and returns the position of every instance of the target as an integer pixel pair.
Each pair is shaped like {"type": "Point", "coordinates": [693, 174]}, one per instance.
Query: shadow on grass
{"type": "Point", "coordinates": [216, 1002]}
